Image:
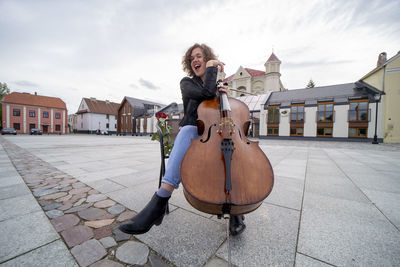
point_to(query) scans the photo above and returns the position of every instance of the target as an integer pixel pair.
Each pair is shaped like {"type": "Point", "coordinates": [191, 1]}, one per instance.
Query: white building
{"type": "Point", "coordinates": [94, 115]}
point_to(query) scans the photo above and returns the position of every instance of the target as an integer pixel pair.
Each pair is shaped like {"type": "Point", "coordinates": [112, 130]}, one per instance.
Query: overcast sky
{"type": "Point", "coordinates": [111, 49]}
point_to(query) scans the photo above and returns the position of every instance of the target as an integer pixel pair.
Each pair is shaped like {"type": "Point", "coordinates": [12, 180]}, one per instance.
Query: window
{"type": "Point", "coordinates": [32, 114]}
{"type": "Point", "coordinates": [45, 114]}
{"type": "Point", "coordinates": [31, 126]}
{"type": "Point", "coordinates": [358, 110]}
{"type": "Point", "coordinates": [324, 131]}
{"type": "Point", "coordinates": [16, 112]}
{"type": "Point", "coordinates": [273, 131]}
{"type": "Point", "coordinates": [296, 131]}
{"type": "Point", "coordinates": [58, 115]}
{"type": "Point", "coordinates": [115, 126]}
{"type": "Point", "coordinates": [273, 114]}
{"type": "Point", "coordinates": [297, 113]}
{"type": "Point", "coordinates": [107, 125]}
{"type": "Point", "coordinates": [107, 117]}
{"type": "Point", "coordinates": [16, 126]}
{"type": "Point", "coordinates": [58, 127]}
{"type": "Point", "coordinates": [325, 112]}
{"type": "Point", "coordinates": [358, 132]}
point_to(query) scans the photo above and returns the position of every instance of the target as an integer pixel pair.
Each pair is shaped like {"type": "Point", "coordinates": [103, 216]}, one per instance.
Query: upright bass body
{"type": "Point", "coordinates": [204, 166]}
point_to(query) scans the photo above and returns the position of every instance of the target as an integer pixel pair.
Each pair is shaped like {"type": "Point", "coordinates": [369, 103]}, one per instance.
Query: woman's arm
{"type": "Point", "coordinates": [207, 90]}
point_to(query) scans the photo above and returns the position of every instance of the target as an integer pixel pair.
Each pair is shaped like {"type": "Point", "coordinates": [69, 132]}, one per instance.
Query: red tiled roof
{"type": "Point", "coordinates": [34, 100]}
{"type": "Point", "coordinates": [252, 72]}
{"type": "Point", "coordinates": [100, 106]}
{"type": "Point", "coordinates": [273, 57]}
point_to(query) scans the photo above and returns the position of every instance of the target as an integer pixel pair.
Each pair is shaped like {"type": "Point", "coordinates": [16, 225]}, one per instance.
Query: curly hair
{"type": "Point", "coordinates": [186, 60]}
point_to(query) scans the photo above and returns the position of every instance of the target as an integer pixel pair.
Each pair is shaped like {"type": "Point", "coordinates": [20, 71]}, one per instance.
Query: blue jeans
{"type": "Point", "coordinates": [182, 142]}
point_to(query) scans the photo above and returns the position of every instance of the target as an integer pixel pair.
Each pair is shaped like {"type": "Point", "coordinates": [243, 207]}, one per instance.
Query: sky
{"type": "Point", "coordinates": [111, 49]}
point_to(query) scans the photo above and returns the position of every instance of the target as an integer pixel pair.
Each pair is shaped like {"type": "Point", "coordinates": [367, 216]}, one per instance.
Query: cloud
{"type": "Point", "coordinates": [148, 84]}
{"type": "Point", "coordinates": [25, 83]}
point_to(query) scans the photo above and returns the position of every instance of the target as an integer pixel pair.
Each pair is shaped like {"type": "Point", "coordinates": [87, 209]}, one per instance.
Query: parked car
{"type": "Point", "coordinates": [36, 131]}
{"type": "Point", "coordinates": [8, 131]}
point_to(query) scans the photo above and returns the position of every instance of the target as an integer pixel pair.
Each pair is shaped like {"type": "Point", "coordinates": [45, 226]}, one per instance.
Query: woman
{"type": "Point", "coordinates": [202, 66]}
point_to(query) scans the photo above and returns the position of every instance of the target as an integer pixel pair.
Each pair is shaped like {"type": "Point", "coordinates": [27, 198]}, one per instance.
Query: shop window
{"type": "Point", "coordinates": [325, 112]}
{"type": "Point", "coordinates": [273, 131]}
{"type": "Point", "coordinates": [358, 132]}
{"type": "Point", "coordinates": [297, 113]}
{"type": "Point", "coordinates": [16, 126]}
{"type": "Point", "coordinates": [32, 114]}
{"type": "Point", "coordinates": [16, 112]}
{"type": "Point", "coordinates": [31, 126]}
{"type": "Point", "coordinates": [45, 114]}
{"type": "Point", "coordinates": [296, 131]}
{"type": "Point", "coordinates": [324, 131]}
{"type": "Point", "coordinates": [58, 127]}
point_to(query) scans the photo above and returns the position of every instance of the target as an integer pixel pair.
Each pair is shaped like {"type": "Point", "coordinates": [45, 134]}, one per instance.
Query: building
{"type": "Point", "coordinates": [25, 111]}
{"type": "Point", "coordinates": [95, 115]}
{"type": "Point", "coordinates": [249, 81]}
{"type": "Point", "coordinates": [386, 77]}
{"type": "Point", "coordinates": [136, 116]}
{"type": "Point", "coordinates": [343, 111]}
{"type": "Point", "coordinates": [72, 123]}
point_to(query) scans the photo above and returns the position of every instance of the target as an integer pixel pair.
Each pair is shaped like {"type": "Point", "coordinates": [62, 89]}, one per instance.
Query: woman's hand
{"type": "Point", "coordinates": [224, 89]}
{"type": "Point", "coordinates": [216, 63]}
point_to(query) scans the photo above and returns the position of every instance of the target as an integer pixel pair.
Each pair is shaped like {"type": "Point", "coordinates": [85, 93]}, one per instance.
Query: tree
{"type": "Point", "coordinates": [3, 91]}
{"type": "Point", "coordinates": [310, 84]}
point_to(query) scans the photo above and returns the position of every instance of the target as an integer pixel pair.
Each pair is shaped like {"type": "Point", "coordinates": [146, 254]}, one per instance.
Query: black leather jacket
{"type": "Point", "coordinates": [194, 91]}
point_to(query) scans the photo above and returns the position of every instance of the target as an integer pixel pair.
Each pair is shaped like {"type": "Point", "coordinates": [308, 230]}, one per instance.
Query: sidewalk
{"type": "Point", "coordinates": [333, 204]}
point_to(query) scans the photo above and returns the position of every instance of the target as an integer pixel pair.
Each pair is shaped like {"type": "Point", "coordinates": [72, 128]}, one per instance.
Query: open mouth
{"type": "Point", "coordinates": [197, 67]}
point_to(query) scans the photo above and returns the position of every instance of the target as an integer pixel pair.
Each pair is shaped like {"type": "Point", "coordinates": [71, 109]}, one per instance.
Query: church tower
{"type": "Point", "coordinates": [272, 73]}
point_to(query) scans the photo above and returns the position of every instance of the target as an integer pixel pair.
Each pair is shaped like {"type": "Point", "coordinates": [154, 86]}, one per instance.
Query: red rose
{"type": "Point", "coordinates": [161, 115]}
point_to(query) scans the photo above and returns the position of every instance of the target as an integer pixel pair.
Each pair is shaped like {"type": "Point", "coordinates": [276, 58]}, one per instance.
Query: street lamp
{"type": "Point", "coordinates": [377, 97]}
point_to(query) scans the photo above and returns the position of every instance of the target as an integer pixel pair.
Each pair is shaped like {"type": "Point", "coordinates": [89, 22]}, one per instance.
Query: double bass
{"type": "Point", "coordinates": [223, 172]}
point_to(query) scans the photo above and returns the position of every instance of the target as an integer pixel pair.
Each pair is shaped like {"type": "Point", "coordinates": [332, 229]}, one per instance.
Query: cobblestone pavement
{"type": "Point", "coordinates": [86, 219]}
{"type": "Point", "coordinates": [333, 204]}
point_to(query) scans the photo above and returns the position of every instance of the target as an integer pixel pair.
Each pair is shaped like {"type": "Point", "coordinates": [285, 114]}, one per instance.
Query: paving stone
{"type": "Point", "coordinates": [45, 202]}
{"type": "Point", "coordinates": [89, 252]}
{"type": "Point", "coordinates": [77, 235]}
{"type": "Point", "coordinates": [99, 223]}
{"type": "Point", "coordinates": [65, 189]}
{"type": "Point", "coordinates": [78, 185]}
{"type": "Point", "coordinates": [54, 213]}
{"type": "Point", "coordinates": [116, 209]}
{"type": "Point", "coordinates": [133, 252]}
{"type": "Point", "coordinates": [63, 199]}
{"type": "Point", "coordinates": [43, 192]}
{"type": "Point", "coordinates": [65, 207]}
{"type": "Point", "coordinates": [119, 236]}
{"type": "Point", "coordinates": [53, 196]}
{"type": "Point", "coordinates": [156, 261]}
{"type": "Point", "coordinates": [79, 208]}
{"type": "Point", "coordinates": [216, 262]}
{"type": "Point", "coordinates": [79, 202]}
{"type": "Point", "coordinates": [108, 242]}
{"type": "Point", "coordinates": [126, 215]}
{"type": "Point", "coordinates": [96, 197]}
{"type": "Point", "coordinates": [52, 206]}
{"type": "Point", "coordinates": [104, 203]}
{"type": "Point", "coordinates": [93, 191]}
{"type": "Point", "coordinates": [79, 190]}
{"type": "Point", "coordinates": [107, 263]}
{"type": "Point", "coordinates": [75, 198]}
{"type": "Point", "coordinates": [64, 222]}
{"type": "Point", "coordinates": [102, 232]}
{"type": "Point", "coordinates": [91, 214]}
{"type": "Point", "coordinates": [68, 181]}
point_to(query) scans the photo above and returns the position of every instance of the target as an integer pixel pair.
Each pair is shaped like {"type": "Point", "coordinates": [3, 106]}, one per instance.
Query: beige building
{"type": "Point", "coordinates": [386, 77]}
{"type": "Point", "coordinates": [249, 81]}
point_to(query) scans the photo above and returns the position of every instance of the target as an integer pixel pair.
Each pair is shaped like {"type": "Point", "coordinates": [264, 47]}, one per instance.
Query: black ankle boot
{"type": "Point", "coordinates": [152, 214]}
{"type": "Point", "coordinates": [236, 225]}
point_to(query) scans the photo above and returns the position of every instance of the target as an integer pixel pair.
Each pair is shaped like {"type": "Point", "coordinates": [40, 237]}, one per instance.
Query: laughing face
{"type": "Point", "coordinates": [198, 63]}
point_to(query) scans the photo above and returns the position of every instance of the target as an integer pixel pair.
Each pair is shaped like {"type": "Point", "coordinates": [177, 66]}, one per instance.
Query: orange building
{"type": "Point", "coordinates": [24, 111]}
